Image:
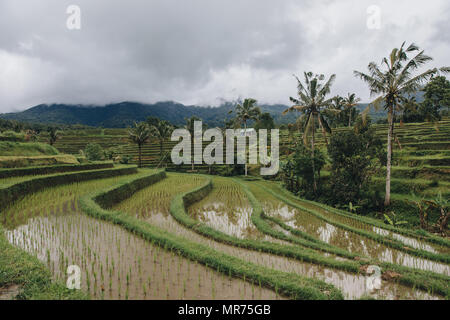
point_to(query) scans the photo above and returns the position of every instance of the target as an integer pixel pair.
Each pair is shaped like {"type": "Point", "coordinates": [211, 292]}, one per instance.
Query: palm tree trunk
{"type": "Point", "coordinates": [387, 199]}
{"type": "Point", "coordinates": [312, 151]}
{"type": "Point", "coordinates": [245, 136]}
{"type": "Point", "coordinates": [193, 148]}
{"type": "Point", "coordinates": [350, 118]}
{"type": "Point", "coordinates": [140, 156]}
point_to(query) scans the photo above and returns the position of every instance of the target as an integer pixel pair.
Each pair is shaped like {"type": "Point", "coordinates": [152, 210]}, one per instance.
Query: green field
{"type": "Point", "coordinates": [155, 234]}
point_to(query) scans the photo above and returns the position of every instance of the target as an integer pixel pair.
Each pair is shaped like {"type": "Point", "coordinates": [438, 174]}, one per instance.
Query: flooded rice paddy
{"type": "Point", "coordinates": [352, 285]}
{"type": "Point", "coordinates": [338, 237]}
{"type": "Point", "coordinates": [413, 242]}
{"type": "Point", "coordinates": [114, 263]}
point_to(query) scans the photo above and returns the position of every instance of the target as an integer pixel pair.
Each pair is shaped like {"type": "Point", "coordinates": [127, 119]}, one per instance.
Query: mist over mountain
{"type": "Point", "coordinates": [124, 114]}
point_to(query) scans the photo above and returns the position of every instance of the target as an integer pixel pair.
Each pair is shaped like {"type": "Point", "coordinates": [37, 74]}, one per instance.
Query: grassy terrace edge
{"type": "Point", "coordinates": [16, 191]}
{"type": "Point", "coordinates": [18, 267]}
{"type": "Point", "coordinates": [303, 254]}
{"type": "Point", "coordinates": [419, 279]}
{"type": "Point", "coordinates": [17, 172]}
{"type": "Point", "coordinates": [420, 234]}
{"type": "Point", "coordinates": [415, 278]}
{"type": "Point", "coordinates": [390, 242]}
{"type": "Point", "coordinates": [287, 284]}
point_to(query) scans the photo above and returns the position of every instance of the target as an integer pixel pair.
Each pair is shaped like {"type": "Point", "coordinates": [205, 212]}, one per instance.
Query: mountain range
{"type": "Point", "coordinates": [119, 115]}
{"type": "Point", "coordinates": [124, 114]}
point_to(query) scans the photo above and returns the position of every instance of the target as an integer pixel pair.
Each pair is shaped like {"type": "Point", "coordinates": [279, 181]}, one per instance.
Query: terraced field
{"type": "Point", "coordinates": [147, 234]}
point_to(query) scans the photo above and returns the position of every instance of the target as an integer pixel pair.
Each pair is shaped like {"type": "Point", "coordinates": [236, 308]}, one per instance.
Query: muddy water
{"type": "Point", "coordinates": [413, 242]}
{"type": "Point", "coordinates": [333, 235]}
{"type": "Point", "coordinates": [227, 209]}
{"type": "Point", "coordinates": [114, 263]}
{"type": "Point", "coordinates": [352, 285]}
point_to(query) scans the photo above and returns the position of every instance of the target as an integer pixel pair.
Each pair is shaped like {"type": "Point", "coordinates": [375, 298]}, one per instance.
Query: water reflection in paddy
{"type": "Point", "coordinates": [352, 285]}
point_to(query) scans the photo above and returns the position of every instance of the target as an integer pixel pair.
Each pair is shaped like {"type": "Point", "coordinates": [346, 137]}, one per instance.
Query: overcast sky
{"type": "Point", "coordinates": [201, 51]}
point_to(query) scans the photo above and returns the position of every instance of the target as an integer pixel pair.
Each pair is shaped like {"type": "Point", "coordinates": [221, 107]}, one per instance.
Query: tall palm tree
{"type": "Point", "coordinates": [245, 112]}
{"type": "Point", "coordinates": [311, 102]}
{"type": "Point", "coordinates": [139, 134]}
{"type": "Point", "coordinates": [53, 135]}
{"type": "Point", "coordinates": [349, 103]}
{"type": "Point", "coordinates": [392, 82]}
{"type": "Point", "coordinates": [161, 130]}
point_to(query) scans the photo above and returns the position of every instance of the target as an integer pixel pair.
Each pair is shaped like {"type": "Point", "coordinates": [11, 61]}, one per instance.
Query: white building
{"type": "Point", "coordinates": [250, 132]}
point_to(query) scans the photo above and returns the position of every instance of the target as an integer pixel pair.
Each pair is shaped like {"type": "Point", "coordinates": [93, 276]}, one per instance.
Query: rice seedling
{"type": "Point", "coordinates": [63, 236]}
{"type": "Point", "coordinates": [294, 219]}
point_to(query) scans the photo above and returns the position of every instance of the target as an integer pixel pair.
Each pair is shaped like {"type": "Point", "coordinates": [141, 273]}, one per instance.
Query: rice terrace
{"type": "Point", "coordinates": [94, 204]}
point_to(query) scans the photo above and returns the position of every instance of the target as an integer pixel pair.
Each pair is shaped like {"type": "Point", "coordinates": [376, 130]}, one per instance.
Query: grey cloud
{"type": "Point", "coordinates": [195, 51]}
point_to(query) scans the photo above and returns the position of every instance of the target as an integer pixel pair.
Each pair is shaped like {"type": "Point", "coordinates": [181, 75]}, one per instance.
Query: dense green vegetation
{"type": "Point", "coordinates": [345, 198]}
{"type": "Point", "coordinates": [26, 149]}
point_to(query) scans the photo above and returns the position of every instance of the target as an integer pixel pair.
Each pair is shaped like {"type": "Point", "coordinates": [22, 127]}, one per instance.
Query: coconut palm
{"type": "Point", "coordinates": [349, 103]}
{"type": "Point", "coordinates": [53, 135]}
{"type": "Point", "coordinates": [311, 102]}
{"type": "Point", "coordinates": [247, 111]}
{"type": "Point", "coordinates": [139, 134]}
{"type": "Point", "coordinates": [392, 82]}
{"type": "Point", "coordinates": [161, 130]}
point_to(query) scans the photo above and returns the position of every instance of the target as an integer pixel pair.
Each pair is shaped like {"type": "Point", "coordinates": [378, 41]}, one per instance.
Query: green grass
{"type": "Point", "coordinates": [28, 161]}
{"type": "Point", "coordinates": [26, 149]}
{"type": "Point", "coordinates": [395, 244]}
{"type": "Point", "coordinates": [34, 280]}
{"type": "Point", "coordinates": [21, 186]}
{"type": "Point", "coordinates": [291, 285]}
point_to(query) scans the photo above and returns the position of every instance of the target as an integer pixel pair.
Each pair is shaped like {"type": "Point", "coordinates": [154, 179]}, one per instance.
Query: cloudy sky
{"type": "Point", "coordinates": [202, 51]}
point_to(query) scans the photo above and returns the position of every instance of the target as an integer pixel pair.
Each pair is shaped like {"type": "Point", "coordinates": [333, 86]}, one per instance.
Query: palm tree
{"type": "Point", "coordinates": [139, 134]}
{"type": "Point", "coordinates": [312, 101]}
{"type": "Point", "coordinates": [245, 112]}
{"type": "Point", "coordinates": [392, 85]}
{"type": "Point", "coordinates": [53, 135]}
{"type": "Point", "coordinates": [161, 130]}
{"type": "Point", "coordinates": [349, 103]}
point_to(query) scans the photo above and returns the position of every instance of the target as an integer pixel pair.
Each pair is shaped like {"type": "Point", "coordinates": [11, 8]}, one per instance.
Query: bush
{"type": "Point", "coordinates": [94, 152]}
{"type": "Point", "coordinates": [297, 171]}
{"type": "Point", "coordinates": [354, 159]}
{"type": "Point", "coordinates": [125, 159]}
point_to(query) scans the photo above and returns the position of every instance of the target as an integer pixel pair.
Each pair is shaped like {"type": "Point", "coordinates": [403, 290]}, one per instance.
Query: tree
{"type": "Point", "coordinates": [312, 100]}
{"type": "Point", "coordinates": [265, 122]}
{"type": "Point", "coordinates": [392, 85]}
{"type": "Point", "coordinates": [337, 118]}
{"type": "Point", "coordinates": [297, 171]}
{"type": "Point", "coordinates": [245, 112]}
{"type": "Point", "coordinates": [139, 135]}
{"type": "Point", "coordinates": [161, 130]}
{"type": "Point", "coordinates": [353, 162]}
{"type": "Point", "coordinates": [53, 135]}
{"type": "Point", "coordinates": [94, 152]}
{"type": "Point", "coordinates": [350, 102]}
{"type": "Point", "coordinates": [437, 94]}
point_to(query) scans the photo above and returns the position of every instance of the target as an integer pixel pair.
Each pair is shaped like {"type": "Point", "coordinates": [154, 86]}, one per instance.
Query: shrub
{"type": "Point", "coordinates": [94, 152]}
{"type": "Point", "coordinates": [125, 159]}
{"type": "Point", "coordinates": [354, 160]}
